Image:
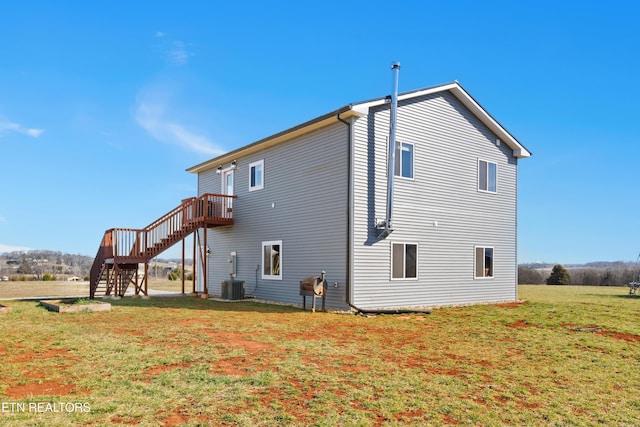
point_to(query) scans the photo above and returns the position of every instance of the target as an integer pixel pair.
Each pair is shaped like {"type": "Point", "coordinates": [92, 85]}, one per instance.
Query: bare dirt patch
{"type": "Point", "coordinates": [599, 331]}
{"type": "Point", "coordinates": [30, 356]}
{"type": "Point", "coordinates": [620, 336]}
{"type": "Point", "coordinates": [449, 420]}
{"type": "Point", "coordinates": [235, 366]}
{"type": "Point", "coordinates": [179, 417]}
{"type": "Point", "coordinates": [514, 304]}
{"type": "Point", "coordinates": [521, 324]}
{"type": "Point", "coordinates": [46, 388]}
{"type": "Point", "coordinates": [125, 421]}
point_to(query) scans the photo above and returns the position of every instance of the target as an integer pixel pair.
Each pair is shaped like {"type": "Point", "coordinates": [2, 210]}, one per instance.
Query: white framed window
{"type": "Point", "coordinates": [483, 262]}
{"type": "Point", "coordinates": [272, 260]}
{"type": "Point", "coordinates": [404, 160]}
{"type": "Point", "coordinates": [404, 261]}
{"type": "Point", "coordinates": [487, 176]}
{"type": "Point", "coordinates": [256, 175]}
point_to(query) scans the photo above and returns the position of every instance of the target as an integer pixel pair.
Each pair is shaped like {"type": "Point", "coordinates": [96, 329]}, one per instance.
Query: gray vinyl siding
{"type": "Point", "coordinates": [306, 179]}
{"type": "Point", "coordinates": [448, 141]}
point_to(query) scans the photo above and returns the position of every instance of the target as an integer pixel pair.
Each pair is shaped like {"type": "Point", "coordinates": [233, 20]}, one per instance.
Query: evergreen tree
{"type": "Point", "coordinates": [559, 276]}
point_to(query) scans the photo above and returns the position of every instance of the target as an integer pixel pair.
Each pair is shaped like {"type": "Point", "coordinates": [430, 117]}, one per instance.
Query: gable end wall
{"type": "Point", "coordinates": [440, 209]}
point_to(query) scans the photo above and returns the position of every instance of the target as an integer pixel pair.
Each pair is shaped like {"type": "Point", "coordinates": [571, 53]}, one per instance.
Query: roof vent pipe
{"type": "Point", "coordinates": [391, 158]}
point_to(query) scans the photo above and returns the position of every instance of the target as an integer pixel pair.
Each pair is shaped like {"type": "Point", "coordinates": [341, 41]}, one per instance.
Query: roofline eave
{"type": "Point", "coordinates": [362, 109]}
{"type": "Point", "coordinates": [311, 125]}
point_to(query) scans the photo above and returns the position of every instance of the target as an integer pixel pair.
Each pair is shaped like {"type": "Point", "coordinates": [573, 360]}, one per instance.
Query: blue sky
{"type": "Point", "coordinates": [103, 105]}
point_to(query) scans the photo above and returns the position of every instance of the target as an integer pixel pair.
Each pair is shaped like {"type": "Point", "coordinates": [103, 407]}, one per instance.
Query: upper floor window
{"type": "Point", "coordinates": [256, 175]}
{"type": "Point", "coordinates": [404, 261]}
{"type": "Point", "coordinates": [404, 159]}
{"type": "Point", "coordinates": [487, 176]}
{"type": "Point", "coordinates": [483, 262]}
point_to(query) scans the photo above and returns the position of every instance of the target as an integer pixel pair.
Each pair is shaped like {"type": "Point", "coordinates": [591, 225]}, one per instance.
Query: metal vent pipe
{"type": "Point", "coordinates": [391, 167]}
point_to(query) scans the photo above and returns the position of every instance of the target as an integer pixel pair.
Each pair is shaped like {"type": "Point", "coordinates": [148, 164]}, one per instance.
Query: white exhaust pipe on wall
{"type": "Point", "coordinates": [391, 158]}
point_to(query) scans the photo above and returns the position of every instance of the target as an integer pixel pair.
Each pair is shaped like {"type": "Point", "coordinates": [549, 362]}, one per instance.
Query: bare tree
{"type": "Point", "coordinates": [529, 276]}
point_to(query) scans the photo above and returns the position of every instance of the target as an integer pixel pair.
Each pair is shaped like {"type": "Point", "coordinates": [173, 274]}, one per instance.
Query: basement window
{"type": "Point", "coordinates": [487, 176]}
{"type": "Point", "coordinates": [272, 260]}
{"type": "Point", "coordinates": [404, 160]}
{"type": "Point", "coordinates": [256, 175]}
{"type": "Point", "coordinates": [484, 262]}
{"type": "Point", "coordinates": [404, 261]}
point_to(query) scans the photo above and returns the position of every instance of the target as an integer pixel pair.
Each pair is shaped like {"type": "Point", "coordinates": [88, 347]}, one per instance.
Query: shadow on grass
{"type": "Point", "coordinates": [617, 296]}
{"type": "Point", "coordinates": [188, 302]}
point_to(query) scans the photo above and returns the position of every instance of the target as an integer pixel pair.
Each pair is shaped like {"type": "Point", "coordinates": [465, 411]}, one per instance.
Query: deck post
{"type": "Point", "coordinates": [204, 263]}
{"type": "Point", "coordinates": [108, 291]}
{"type": "Point", "coordinates": [193, 277]}
{"type": "Point", "coordinates": [116, 277]}
{"type": "Point", "coordinates": [138, 285]}
{"type": "Point", "coordinates": [183, 244]}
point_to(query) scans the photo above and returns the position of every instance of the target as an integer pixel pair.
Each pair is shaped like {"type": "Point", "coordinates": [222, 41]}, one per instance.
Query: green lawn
{"type": "Point", "coordinates": [568, 356]}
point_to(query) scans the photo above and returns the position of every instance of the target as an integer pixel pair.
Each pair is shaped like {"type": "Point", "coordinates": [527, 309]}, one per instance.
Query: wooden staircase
{"type": "Point", "coordinates": [122, 250]}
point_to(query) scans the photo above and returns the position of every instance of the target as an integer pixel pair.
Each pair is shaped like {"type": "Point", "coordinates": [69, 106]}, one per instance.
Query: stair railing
{"type": "Point", "coordinates": [105, 251]}
{"type": "Point", "coordinates": [139, 245]}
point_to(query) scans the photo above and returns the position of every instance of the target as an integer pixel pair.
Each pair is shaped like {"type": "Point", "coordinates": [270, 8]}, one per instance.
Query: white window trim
{"type": "Point", "coordinates": [251, 165]}
{"type": "Point", "coordinates": [478, 177]}
{"type": "Point", "coordinates": [271, 276]}
{"type": "Point", "coordinates": [493, 267]}
{"type": "Point", "coordinates": [413, 162]}
{"type": "Point", "coordinates": [405, 279]}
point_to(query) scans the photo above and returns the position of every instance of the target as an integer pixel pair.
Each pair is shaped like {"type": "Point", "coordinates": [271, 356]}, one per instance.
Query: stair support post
{"type": "Point", "coordinates": [205, 263]}
{"type": "Point", "coordinates": [193, 277]}
{"type": "Point", "coordinates": [183, 244]}
{"type": "Point", "coordinates": [107, 291]}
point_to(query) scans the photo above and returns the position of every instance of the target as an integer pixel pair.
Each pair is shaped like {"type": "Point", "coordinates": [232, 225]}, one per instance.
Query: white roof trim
{"type": "Point", "coordinates": [518, 149]}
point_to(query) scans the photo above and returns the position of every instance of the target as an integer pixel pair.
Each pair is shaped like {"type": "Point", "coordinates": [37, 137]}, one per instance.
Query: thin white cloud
{"type": "Point", "coordinates": [151, 113]}
{"type": "Point", "coordinates": [10, 248]}
{"type": "Point", "coordinates": [178, 53]}
{"type": "Point", "coordinates": [175, 52]}
{"type": "Point", "coordinates": [8, 126]}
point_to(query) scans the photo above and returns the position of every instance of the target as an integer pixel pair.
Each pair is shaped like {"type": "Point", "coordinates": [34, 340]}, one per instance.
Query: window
{"type": "Point", "coordinates": [404, 160]}
{"type": "Point", "coordinates": [256, 175]}
{"type": "Point", "coordinates": [404, 261]}
{"type": "Point", "coordinates": [484, 262]}
{"type": "Point", "coordinates": [487, 176]}
{"type": "Point", "coordinates": [272, 260]}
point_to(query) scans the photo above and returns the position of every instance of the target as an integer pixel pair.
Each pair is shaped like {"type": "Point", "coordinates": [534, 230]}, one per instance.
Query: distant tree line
{"type": "Point", "coordinates": [619, 274]}
{"type": "Point", "coordinates": [44, 265]}
{"type": "Point", "coordinates": [50, 265]}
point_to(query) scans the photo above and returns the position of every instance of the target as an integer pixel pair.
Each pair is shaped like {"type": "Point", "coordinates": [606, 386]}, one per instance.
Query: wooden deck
{"type": "Point", "coordinates": [123, 248]}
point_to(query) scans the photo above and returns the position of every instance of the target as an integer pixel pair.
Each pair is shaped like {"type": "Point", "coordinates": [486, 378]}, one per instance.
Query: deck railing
{"type": "Point", "coordinates": [128, 245]}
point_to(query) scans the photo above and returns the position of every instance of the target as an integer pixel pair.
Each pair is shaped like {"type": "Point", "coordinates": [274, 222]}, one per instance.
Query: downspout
{"type": "Point", "coordinates": [350, 206]}
{"type": "Point", "coordinates": [350, 239]}
{"type": "Point", "coordinates": [391, 158]}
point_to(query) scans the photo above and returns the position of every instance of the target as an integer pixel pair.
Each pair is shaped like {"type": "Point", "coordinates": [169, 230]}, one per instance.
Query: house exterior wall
{"type": "Point", "coordinates": [303, 204]}
{"type": "Point", "coordinates": [440, 209]}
